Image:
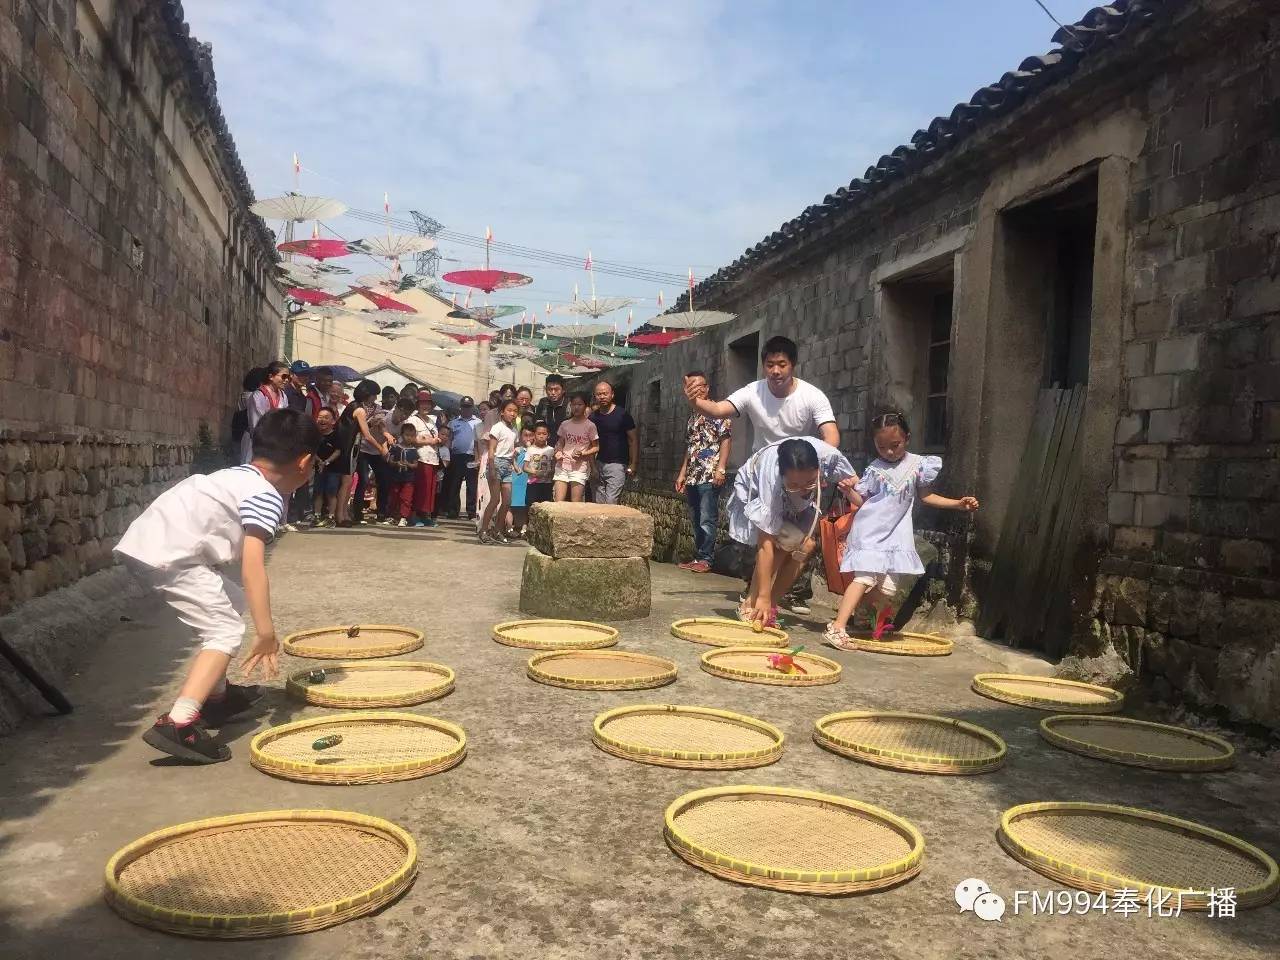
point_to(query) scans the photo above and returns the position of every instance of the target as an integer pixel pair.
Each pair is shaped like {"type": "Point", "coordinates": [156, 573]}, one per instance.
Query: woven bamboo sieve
{"type": "Point", "coordinates": [335, 643]}
{"type": "Point", "coordinates": [601, 670]}
{"type": "Point", "coordinates": [694, 738]}
{"type": "Point", "coordinates": [375, 748]}
{"type": "Point", "coordinates": [751, 665]}
{"type": "Point", "coordinates": [261, 874]}
{"type": "Point", "coordinates": [796, 841]}
{"type": "Point", "coordinates": [906, 645]}
{"type": "Point", "coordinates": [718, 632]}
{"type": "Point", "coordinates": [1048, 693]}
{"type": "Point", "coordinates": [1139, 743]}
{"type": "Point", "coordinates": [396, 683]}
{"type": "Point", "coordinates": [915, 742]}
{"type": "Point", "coordinates": [1103, 848]}
{"type": "Point", "coordinates": [555, 634]}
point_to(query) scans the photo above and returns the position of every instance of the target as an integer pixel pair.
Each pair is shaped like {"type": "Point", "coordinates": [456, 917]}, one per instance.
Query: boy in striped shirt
{"type": "Point", "coordinates": [177, 547]}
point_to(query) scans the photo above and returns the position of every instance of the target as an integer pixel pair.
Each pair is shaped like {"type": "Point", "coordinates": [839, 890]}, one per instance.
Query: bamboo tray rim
{"type": "Point", "coordinates": [206, 923]}
{"type": "Point", "coordinates": [296, 685]}
{"type": "Point", "coordinates": [270, 764]}
{"type": "Point", "coordinates": [832, 668]}
{"type": "Point", "coordinates": [680, 630]}
{"type": "Point", "coordinates": [294, 643]}
{"type": "Point", "coordinates": [902, 867]}
{"type": "Point", "coordinates": [666, 673]}
{"type": "Point", "coordinates": [609, 634]}
{"type": "Point", "coordinates": [1049, 730]}
{"type": "Point", "coordinates": [921, 644]}
{"type": "Point", "coordinates": [990, 737]}
{"type": "Point", "coordinates": [637, 750]}
{"type": "Point", "coordinates": [1112, 700]}
{"type": "Point", "coordinates": [1101, 879]}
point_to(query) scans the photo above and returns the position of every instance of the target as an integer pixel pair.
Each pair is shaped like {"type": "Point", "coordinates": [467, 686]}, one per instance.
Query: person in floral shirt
{"type": "Point", "coordinates": [702, 473]}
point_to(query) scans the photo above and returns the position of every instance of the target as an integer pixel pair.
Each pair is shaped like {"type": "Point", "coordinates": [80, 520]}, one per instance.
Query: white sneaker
{"type": "Point", "coordinates": [403, 522]}
{"type": "Point", "coordinates": [799, 608]}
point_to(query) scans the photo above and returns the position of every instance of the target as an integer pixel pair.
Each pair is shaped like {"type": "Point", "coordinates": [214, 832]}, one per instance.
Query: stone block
{"type": "Point", "coordinates": [1130, 429]}
{"type": "Point", "coordinates": [1150, 393]}
{"type": "Point", "coordinates": [1120, 509]}
{"type": "Point", "coordinates": [1167, 426]}
{"type": "Point", "coordinates": [1137, 476]}
{"type": "Point", "coordinates": [1177, 353]}
{"type": "Point", "coordinates": [594, 530]}
{"type": "Point", "coordinates": [15, 487]}
{"type": "Point", "coordinates": [585, 588]}
{"type": "Point", "coordinates": [1251, 558]}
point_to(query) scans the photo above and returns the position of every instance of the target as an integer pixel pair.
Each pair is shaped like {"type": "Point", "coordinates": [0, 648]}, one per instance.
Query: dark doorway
{"type": "Point", "coordinates": [742, 366]}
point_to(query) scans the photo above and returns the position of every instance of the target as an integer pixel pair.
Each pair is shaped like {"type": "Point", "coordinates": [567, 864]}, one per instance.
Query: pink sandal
{"type": "Point", "coordinates": [835, 637]}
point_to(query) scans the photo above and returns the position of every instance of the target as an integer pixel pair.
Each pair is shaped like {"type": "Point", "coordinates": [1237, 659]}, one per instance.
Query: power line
{"type": "Point", "coordinates": [1071, 33]}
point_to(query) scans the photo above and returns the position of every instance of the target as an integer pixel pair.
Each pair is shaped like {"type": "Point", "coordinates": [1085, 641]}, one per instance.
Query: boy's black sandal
{"type": "Point", "coordinates": [190, 742]}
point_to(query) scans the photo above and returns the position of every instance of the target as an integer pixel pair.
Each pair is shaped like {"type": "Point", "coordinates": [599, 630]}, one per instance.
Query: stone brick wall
{"type": "Point", "coordinates": [135, 287]}
{"type": "Point", "coordinates": [1183, 575]}
{"type": "Point", "coordinates": [1191, 587]}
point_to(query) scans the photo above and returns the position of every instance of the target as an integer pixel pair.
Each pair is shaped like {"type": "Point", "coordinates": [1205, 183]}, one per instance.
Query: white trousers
{"type": "Point", "coordinates": [204, 599]}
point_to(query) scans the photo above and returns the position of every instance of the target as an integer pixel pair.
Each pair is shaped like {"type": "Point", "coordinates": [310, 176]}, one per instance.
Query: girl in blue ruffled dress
{"type": "Point", "coordinates": [881, 544]}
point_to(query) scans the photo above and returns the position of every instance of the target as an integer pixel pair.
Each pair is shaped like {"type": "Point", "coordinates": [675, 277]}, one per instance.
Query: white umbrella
{"type": "Point", "coordinates": [595, 307]}
{"type": "Point", "coordinates": [691, 319]}
{"type": "Point", "coordinates": [577, 331]}
{"type": "Point", "coordinates": [395, 245]}
{"type": "Point", "coordinates": [326, 313]}
{"type": "Point", "coordinates": [311, 274]}
{"type": "Point", "coordinates": [296, 206]}
{"type": "Point", "coordinates": [516, 350]}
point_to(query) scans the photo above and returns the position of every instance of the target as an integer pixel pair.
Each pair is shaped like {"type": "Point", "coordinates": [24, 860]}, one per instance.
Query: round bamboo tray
{"type": "Point", "coordinates": [375, 748]}
{"type": "Point", "coordinates": [1101, 848]}
{"type": "Point", "coordinates": [1048, 693]}
{"type": "Point", "coordinates": [261, 874]}
{"type": "Point", "coordinates": [752, 665]}
{"type": "Point", "coordinates": [371, 640]}
{"type": "Point", "coordinates": [917, 742]}
{"type": "Point", "coordinates": [718, 632]}
{"type": "Point", "coordinates": [906, 644]}
{"type": "Point", "coordinates": [1138, 743]}
{"type": "Point", "coordinates": [397, 683]}
{"type": "Point", "coordinates": [601, 670]}
{"type": "Point", "coordinates": [793, 840]}
{"type": "Point", "coordinates": [555, 634]}
{"type": "Point", "coordinates": [695, 738]}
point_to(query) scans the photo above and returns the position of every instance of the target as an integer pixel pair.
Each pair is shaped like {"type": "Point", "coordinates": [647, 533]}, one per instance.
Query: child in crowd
{"type": "Point", "coordinates": [501, 439]}
{"type": "Point", "coordinates": [446, 436]}
{"type": "Point", "coordinates": [403, 459]}
{"type": "Point", "coordinates": [175, 548]}
{"type": "Point", "coordinates": [577, 442]}
{"type": "Point", "coordinates": [329, 468]}
{"type": "Point", "coordinates": [881, 543]}
{"type": "Point", "coordinates": [774, 508]}
{"type": "Point", "coordinates": [520, 483]}
{"type": "Point", "coordinates": [539, 467]}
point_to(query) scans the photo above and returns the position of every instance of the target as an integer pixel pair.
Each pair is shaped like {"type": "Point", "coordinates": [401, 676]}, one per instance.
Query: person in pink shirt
{"type": "Point", "coordinates": [577, 443]}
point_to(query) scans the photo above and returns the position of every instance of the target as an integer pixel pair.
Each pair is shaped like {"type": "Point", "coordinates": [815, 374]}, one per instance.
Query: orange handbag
{"type": "Point", "coordinates": [833, 531]}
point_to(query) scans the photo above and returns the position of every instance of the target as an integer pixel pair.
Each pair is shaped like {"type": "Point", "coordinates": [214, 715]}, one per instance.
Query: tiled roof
{"type": "Point", "coordinates": [1098, 29]}
{"type": "Point", "coordinates": [198, 59]}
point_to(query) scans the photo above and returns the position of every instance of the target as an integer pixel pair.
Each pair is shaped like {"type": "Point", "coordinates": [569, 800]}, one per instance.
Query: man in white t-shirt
{"type": "Point", "coordinates": [779, 407]}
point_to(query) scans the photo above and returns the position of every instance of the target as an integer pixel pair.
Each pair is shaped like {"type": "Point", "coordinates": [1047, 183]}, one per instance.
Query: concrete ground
{"type": "Point", "coordinates": [541, 846]}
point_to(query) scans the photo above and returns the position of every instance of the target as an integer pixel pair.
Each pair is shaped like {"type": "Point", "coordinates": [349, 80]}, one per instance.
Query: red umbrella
{"type": "Point", "coordinates": [487, 280]}
{"type": "Point", "coordinates": [663, 339]}
{"type": "Point", "coordinates": [313, 297]}
{"type": "Point", "coordinates": [580, 361]}
{"type": "Point", "coordinates": [382, 301]}
{"type": "Point", "coordinates": [315, 248]}
{"type": "Point", "coordinates": [469, 338]}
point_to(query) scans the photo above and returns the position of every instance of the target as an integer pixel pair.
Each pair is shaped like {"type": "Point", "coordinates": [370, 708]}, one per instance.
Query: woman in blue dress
{"type": "Point", "coordinates": [774, 508]}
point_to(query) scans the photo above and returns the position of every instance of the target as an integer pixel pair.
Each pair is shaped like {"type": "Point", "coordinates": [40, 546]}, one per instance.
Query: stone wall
{"type": "Point", "coordinates": [1180, 483]}
{"type": "Point", "coordinates": [135, 286]}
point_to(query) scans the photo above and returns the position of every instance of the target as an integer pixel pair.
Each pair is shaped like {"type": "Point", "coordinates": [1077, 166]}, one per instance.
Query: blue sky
{"type": "Point", "coordinates": [660, 134]}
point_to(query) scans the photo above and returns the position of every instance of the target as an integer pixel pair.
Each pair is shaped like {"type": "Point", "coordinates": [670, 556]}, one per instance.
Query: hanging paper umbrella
{"type": "Point", "coordinates": [580, 360]}
{"type": "Point", "coordinates": [691, 319]}
{"type": "Point", "coordinates": [516, 350]}
{"type": "Point", "coordinates": [469, 337]}
{"type": "Point", "coordinates": [382, 301]}
{"type": "Point", "coordinates": [577, 331]}
{"type": "Point", "coordinates": [487, 280]}
{"type": "Point", "coordinates": [540, 344]}
{"type": "Point", "coordinates": [619, 351]}
{"type": "Point", "coordinates": [296, 206]}
{"type": "Point", "coordinates": [389, 334]}
{"type": "Point", "coordinates": [486, 313]}
{"type": "Point", "coordinates": [328, 312]}
{"type": "Point", "coordinates": [465, 330]}
{"type": "Point", "coordinates": [596, 307]}
{"type": "Point", "coordinates": [385, 318]}
{"type": "Point", "coordinates": [317, 248]}
{"type": "Point", "coordinates": [662, 339]}
{"type": "Point", "coordinates": [310, 274]}
{"type": "Point", "coordinates": [393, 245]}
{"type": "Point", "coordinates": [313, 297]}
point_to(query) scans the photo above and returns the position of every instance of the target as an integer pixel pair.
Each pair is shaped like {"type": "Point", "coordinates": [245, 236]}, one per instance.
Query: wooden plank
{"type": "Point", "coordinates": [998, 596]}
{"type": "Point", "coordinates": [1045, 560]}
{"type": "Point", "coordinates": [1054, 629]}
